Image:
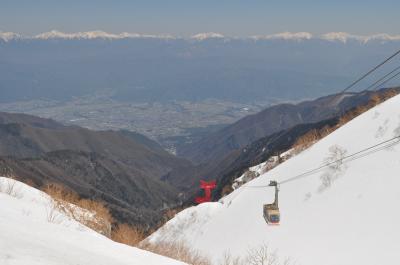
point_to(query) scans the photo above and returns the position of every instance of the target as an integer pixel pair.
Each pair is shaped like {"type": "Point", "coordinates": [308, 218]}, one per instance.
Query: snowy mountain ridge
{"type": "Point", "coordinates": [207, 35]}
{"type": "Point", "coordinates": [290, 36]}
{"type": "Point", "coordinates": [32, 232]}
{"type": "Point", "coordinates": [343, 214]}
{"type": "Point", "coordinates": [8, 36]}
{"type": "Point", "coordinates": [97, 34]}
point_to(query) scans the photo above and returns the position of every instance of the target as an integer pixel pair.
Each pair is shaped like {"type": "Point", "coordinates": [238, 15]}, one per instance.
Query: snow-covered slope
{"type": "Point", "coordinates": [27, 237]}
{"type": "Point", "coordinates": [344, 214]}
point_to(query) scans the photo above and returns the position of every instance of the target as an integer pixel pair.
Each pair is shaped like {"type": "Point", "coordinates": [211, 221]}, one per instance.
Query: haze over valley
{"type": "Point", "coordinates": [171, 89]}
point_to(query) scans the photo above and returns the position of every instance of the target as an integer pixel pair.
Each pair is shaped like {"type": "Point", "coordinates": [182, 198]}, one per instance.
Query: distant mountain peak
{"type": "Point", "coordinates": [345, 37]}
{"type": "Point", "coordinates": [55, 34]}
{"type": "Point", "coordinates": [285, 36]}
{"type": "Point", "coordinates": [97, 34]}
{"type": "Point", "coordinates": [7, 36]}
{"type": "Point", "coordinates": [207, 35]}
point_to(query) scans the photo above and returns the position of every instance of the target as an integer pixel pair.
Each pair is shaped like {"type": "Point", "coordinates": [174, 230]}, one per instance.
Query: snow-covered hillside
{"type": "Point", "coordinates": [27, 236]}
{"type": "Point", "coordinates": [347, 213]}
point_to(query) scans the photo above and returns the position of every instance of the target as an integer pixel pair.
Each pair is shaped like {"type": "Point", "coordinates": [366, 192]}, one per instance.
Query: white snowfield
{"type": "Point", "coordinates": [351, 218]}
{"type": "Point", "coordinates": [28, 238]}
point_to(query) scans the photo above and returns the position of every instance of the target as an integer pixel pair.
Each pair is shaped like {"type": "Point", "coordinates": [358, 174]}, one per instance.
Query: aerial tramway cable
{"type": "Point", "coordinates": [382, 78]}
{"type": "Point", "coordinates": [389, 142]}
{"type": "Point", "coordinates": [370, 71]}
{"type": "Point", "coordinates": [367, 74]}
{"type": "Point", "coordinates": [307, 173]}
{"type": "Point", "coordinates": [354, 156]}
{"type": "Point", "coordinates": [387, 80]}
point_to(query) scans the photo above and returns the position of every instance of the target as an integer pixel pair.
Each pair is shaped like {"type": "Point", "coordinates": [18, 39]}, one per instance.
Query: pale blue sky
{"type": "Point", "coordinates": [186, 17]}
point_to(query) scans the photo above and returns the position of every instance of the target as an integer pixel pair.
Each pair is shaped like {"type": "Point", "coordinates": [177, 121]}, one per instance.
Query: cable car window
{"type": "Point", "coordinates": [274, 218]}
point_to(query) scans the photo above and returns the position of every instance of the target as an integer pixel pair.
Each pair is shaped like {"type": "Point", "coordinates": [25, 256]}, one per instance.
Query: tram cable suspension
{"type": "Point", "coordinates": [375, 84]}
{"type": "Point", "coordinates": [341, 160]}
{"type": "Point", "coordinates": [370, 71]}
{"type": "Point", "coordinates": [387, 80]}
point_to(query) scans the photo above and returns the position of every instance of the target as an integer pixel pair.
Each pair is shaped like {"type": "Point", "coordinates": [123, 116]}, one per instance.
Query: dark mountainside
{"type": "Point", "coordinates": [122, 168]}
{"type": "Point", "coordinates": [29, 139]}
{"type": "Point", "coordinates": [271, 120]}
{"type": "Point", "coordinates": [7, 118]}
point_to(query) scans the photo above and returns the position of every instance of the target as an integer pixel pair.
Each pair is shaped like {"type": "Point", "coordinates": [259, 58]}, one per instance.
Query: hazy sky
{"type": "Point", "coordinates": [186, 17]}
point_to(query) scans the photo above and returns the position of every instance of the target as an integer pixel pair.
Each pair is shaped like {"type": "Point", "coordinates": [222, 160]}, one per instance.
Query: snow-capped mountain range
{"type": "Point", "coordinates": [296, 36]}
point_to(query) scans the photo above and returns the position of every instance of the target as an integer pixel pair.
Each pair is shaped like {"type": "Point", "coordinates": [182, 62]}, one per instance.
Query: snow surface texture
{"type": "Point", "coordinates": [27, 237]}
{"type": "Point", "coordinates": [345, 214]}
